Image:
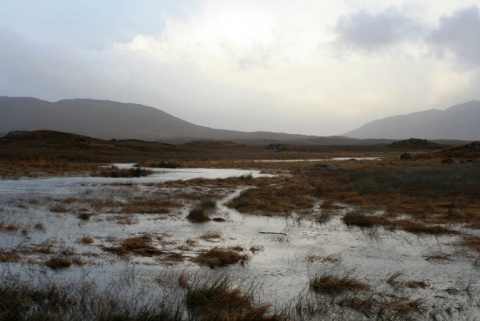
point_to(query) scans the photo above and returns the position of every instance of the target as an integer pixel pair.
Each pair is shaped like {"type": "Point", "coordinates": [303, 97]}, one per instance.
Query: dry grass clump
{"type": "Point", "coordinates": [86, 239]}
{"type": "Point", "coordinates": [420, 228]}
{"type": "Point", "coordinates": [471, 242]}
{"type": "Point", "coordinates": [85, 216]}
{"type": "Point", "coordinates": [395, 282]}
{"type": "Point", "coordinates": [220, 256]}
{"type": "Point", "coordinates": [174, 257]}
{"type": "Point", "coordinates": [128, 173]}
{"type": "Point", "coordinates": [256, 248]}
{"type": "Point", "coordinates": [312, 257]}
{"type": "Point", "coordinates": [362, 219]}
{"type": "Point", "coordinates": [40, 227]}
{"type": "Point", "coordinates": [332, 285]}
{"type": "Point", "coordinates": [139, 245]}
{"type": "Point", "coordinates": [149, 205]}
{"type": "Point", "coordinates": [211, 235]}
{"type": "Point", "coordinates": [279, 197]}
{"type": "Point", "coordinates": [200, 213]}
{"type": "Point", "coordinates": [59, 208]}
{"type": "Point", "coordinates": [24, 301]}
{"type": "Point", "coordinates": [8, 256]}
{"type": "Point", "coordinates": [8, 227]}
{"type": "Point", "coordinates": [385, 307]}
{"type": "Point", "coordinates": [59, 262]}
{"type": "Point", "coordinates": [219, 301]}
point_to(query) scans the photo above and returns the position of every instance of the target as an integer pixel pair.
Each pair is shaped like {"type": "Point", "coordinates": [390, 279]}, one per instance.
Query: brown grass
{"type": "Point", "coordinates": [128, 173]}
{"type": "Point", "coordinates": [221, 302]}
{"type": "Point", "coordinates": [471, 242]}
{"type": "Point", "coordinates": [385, 307]}
{"type": "Point", "coordinates": [86, 239]}
{"type": "Point", "coordinates": [9, 256]}
{"type": "Point", "coordinates": [57, 263]}
{"type": "Point", "coordinates": [201, 212]}
{"type": "Point", "coordinates": [139, 245]}
{"type": "Point", "coordinates": [361, 219]}
{"type": "Point", "coordinates": [280, 198]}
{"type": "Point", "coordinates": [420, 228]}
{"type": "Point", "coordinates": [219, 256]}
{"type": "Point", "coordinates": [395, 282]}
{"type": "Point", "coordinates": [211, 235]}
{"type": "Point", "coordinates": [333, 285]}
{"type": "Point", "coordinates": [147, 205]}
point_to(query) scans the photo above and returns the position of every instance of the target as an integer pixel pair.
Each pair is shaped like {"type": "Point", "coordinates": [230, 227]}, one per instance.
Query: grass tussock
{"type": "Point", "coordinates": [362, 219]}
{"type": "Point", "coordinates": [211, 235]}
{"type": "Point", "coordinates": [200, 213]}
{"type": "Point", "coordinates": [138, 245]}
{"type": "Point", "coordinates": [22, 301]}
{"type": "Point", "coordinates": [281, 198]}
{"type": "Point", "coordinates": [220, 256]}
{"type": "Point", "coordinates": [219, 301]}
{"type": "Point", "coordinates": [58, 263]}
{"type": "Point", "coordinates": [9, 256]}
{"type": "Point", "coordinates": [421, 228]}
{"type": "Point", "coordinates": [332, 284]}
{"type": "Point", "coordinates": [87, 239]}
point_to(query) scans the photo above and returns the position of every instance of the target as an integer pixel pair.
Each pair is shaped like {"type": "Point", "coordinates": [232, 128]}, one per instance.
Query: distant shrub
{"type": "Point", "coordinates": [165, 165]}
{"type": "Point", "coordinates": [129, 172]}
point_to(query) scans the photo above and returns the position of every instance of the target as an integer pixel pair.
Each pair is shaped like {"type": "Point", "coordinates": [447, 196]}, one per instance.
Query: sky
{"type": "Point", "coordinates": [306, 66]}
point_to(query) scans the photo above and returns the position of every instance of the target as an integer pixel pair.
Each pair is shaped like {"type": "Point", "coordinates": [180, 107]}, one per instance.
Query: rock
{"type": "Point", "coordinates": [405, 156]}
{"type": "Point", "coordinates": [448, 161]}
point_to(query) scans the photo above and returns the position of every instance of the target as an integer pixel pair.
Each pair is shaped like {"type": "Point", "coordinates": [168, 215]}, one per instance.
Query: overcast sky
{"type": "Point", "coordinates": [305, 66]}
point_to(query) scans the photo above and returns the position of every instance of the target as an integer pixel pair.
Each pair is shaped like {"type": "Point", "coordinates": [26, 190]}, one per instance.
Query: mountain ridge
{"type": "Point", "coordinates": [106, 119]}
{"type": "Point", "coordinates": [456, 122]}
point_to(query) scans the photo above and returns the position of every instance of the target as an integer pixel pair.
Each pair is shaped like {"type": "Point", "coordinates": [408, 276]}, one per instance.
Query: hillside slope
{"type": "Point", "coordinates": [457, 122]}
{"type": "Point", "coordinates": [108, 119]}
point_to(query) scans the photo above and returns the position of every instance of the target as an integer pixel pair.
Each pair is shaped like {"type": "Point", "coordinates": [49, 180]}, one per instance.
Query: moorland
{"type": "Point", "coordinates": [296, 233]}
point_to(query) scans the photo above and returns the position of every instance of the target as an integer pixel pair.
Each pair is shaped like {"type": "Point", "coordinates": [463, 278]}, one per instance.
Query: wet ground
{"type": "Point", "coordinates": [285, 251]}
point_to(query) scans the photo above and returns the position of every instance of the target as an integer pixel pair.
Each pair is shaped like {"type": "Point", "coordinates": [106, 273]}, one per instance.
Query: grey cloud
{"type": "Point", "coordinates": [458, 34]}
{"type": "Point", "coordinates": [372, 31]}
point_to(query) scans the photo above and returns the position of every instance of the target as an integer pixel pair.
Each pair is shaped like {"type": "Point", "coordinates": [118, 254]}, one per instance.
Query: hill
{"type": "Point", "coordinates": [60, 146]}
{"type": "Point", "coordinates": [106, 120]}
{"type": "Point", "coordinates": [463, 152]}
{"type": "Point", "coordinates": [457, 122]}
{"type": "Point", "coordinates": [415, 143]}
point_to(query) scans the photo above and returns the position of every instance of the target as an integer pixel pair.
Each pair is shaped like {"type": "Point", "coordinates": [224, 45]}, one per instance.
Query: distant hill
{"type": "Point", "coordinates": [463, 152]}
{"type": "Point", "coordinates": [459, 122]}
{"type": "Point", "coordinates": [105, 119]}
{"type": "Point", "coordinates": [415, 143]}
{"type": "Point", "coordinates": [47, 144]}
